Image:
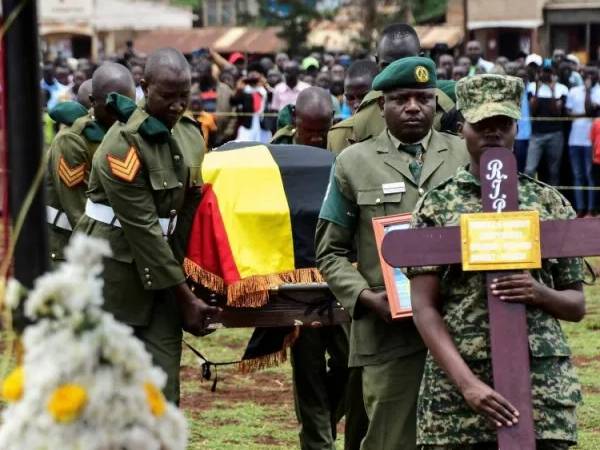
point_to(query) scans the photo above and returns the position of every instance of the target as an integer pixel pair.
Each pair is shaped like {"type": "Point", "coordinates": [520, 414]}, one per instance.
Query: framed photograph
{"type": "Point", "coordinates": [397, 284]}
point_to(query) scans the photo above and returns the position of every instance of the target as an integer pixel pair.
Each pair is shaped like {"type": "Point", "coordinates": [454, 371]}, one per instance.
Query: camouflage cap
{"type": "Point", "coordinates": [413, 72]}
{"type": "Point", "coordinates": [482, 96]}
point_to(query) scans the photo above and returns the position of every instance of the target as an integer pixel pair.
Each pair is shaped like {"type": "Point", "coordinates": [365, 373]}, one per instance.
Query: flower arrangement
{"type": "Point", "coordinates": [85, 382]}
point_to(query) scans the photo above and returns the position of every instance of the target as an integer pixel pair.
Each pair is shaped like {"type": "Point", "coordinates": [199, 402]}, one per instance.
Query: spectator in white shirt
{"type": "Point", "coordinates": [286, 92]}
{"type": "Point", "coordinates": [546, 100]}
{"type": "Point", "coordinates": [583, 102]}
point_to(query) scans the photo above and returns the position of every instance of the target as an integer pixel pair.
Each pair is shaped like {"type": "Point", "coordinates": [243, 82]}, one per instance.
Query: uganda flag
{"type": "Point", "coordinates": [254, 228]}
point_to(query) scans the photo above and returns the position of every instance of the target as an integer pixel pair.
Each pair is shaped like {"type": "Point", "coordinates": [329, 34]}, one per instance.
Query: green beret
{"type": "Point", "coordinates": [447, 87]}
{"type": "Point", "coordinates": [482, 96]}
{"type": "Point", "coordinates": [414, 72]}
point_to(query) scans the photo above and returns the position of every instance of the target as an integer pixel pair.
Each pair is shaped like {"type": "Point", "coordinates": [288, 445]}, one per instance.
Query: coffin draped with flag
{"type": "Point", "coordinates": [254, 228]}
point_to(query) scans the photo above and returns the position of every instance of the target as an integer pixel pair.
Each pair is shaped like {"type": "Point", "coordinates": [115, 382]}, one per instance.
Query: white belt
{"type": "Point", "coordinates": [105, 214]}
{"type": "Point", "coordinates": [58, 218]}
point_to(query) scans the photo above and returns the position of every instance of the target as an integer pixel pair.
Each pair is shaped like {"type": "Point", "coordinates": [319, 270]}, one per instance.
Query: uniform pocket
{"type": "Point", "coordinates": [163, 179]}
{"type": "Point", "coordinates": [375, 203]}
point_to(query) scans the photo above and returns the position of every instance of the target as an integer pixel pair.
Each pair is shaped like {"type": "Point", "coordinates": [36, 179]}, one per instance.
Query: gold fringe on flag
{"type": "Point", "coordinates": [272, 359]}
{"type": "Point", "coordinates": [250, 292]}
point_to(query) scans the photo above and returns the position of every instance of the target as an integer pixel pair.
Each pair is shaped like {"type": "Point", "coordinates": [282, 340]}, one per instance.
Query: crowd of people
{"type": "Point", "coordinates": [391, 116]}
{"type": "Point", "coordinates": [240, 99]}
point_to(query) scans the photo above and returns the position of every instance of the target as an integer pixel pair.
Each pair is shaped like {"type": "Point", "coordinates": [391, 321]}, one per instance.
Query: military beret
{"type": "Point", "coordinates": [482, 96]}
{"type": "Point", "coordinates": [413, 72]}
{"type": "Point", "coordinates": [448, 88]}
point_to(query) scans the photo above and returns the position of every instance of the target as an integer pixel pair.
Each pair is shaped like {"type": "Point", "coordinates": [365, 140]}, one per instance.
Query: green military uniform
{"type": "Point", "coordinates": [285, 135]}
{"type": "Point", "coordinates": [373, 179]}
{"type": "Point", "coordinates": [319, 385]}
{"type": "Point", "coordinates": [145, 182]}
{"type": "Point", "coordinates": [443, 415]}
{"type": "Point", "coordinates": [445, 421]}
{"type": "Point", "coordinates": [368, 122]}
{"type": "Point", "coordinates": [69, 164]}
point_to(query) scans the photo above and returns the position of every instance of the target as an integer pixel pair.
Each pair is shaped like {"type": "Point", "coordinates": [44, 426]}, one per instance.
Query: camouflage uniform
{"type": "Point", "coordinates": [444, 418]}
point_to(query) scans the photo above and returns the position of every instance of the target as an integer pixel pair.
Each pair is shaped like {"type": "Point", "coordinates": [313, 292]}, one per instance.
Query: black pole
{"type": "Point", "coordinates": [24, 136]}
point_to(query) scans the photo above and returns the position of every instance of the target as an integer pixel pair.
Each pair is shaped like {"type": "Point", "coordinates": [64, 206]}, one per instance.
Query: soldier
{"type": "Point", "coordinates": [70, 157]}
{"type": "Point", "coordinates": [84, 93]}
{"type": "Point", "coordinates": [382, 176]}
{"type": "Point", "coordinates": [317, 391]}
{"type": "Point", "coordinates": [357, 85]}
{"type": "Point", "coordinates": [143, 191]}
{"type": "Point", "coordinates": [312, 117]}
{"type": "Point", "coordinates": [457, 408]}
{"type": "Point", "coordinates": [397, 41]}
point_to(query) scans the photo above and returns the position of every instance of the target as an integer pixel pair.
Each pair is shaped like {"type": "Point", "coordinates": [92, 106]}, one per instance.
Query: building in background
{"type": "Point", "coordinates": [95, 28]}
{"type": "Point", "coordinates": [510, 26]}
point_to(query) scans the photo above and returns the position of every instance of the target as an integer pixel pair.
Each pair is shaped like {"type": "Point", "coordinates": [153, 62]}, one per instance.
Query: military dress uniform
{"type": "Point", "coordinates": [444, 418]}
{"type": "Point", "coordinates": [445, 421]}
{"type": "Point", "coordinates": [69, 165]}
{"type": "Point", "coordinates": [143, 190]}
{"type": "Point", "coordinates": [376, 178]}
{"type": "Point", "coordinates": [368, 121]}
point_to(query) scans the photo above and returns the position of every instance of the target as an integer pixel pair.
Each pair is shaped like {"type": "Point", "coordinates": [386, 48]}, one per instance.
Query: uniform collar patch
{"type": "Point", "coordinates": [94, 132]}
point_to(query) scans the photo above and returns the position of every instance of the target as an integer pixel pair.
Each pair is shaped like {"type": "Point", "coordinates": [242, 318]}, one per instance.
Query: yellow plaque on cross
{"type": "Point", "coordinates": [500, 241]}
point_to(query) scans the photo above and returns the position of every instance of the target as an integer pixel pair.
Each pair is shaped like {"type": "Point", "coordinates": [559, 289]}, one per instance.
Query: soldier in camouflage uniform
{"type": "Point", "coordinates": [71, 152]}
{"type": "Point", "coordinates": [143, 191]}
{"type": "Point", "coordinates": [457, 408]}
{"type": "Point", "coordinates": [397, 41]}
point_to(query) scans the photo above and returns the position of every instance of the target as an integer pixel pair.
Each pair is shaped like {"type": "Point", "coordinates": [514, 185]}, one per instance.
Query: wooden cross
{"type": "Point", "coordinates": [508, 324]}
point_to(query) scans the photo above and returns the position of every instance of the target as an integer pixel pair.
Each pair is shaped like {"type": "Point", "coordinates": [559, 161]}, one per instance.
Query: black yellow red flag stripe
{"type": "Point", "coordinates": [254, 228]}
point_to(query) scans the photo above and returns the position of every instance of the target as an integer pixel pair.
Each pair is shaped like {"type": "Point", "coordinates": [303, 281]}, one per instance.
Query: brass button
{"type": "Point", "coordinates": [149, 283]}
{"type": "Point", "coordinates": [148, 276]}
{"type": "Point", "coordinates": [53, 255]}
{"type": "Point", "coordinates": [180, 184]}
{"type": "Point", "coordinates": [146, 269]}
{"type": "Point", "coordinates": [176, 157]}
{"type": "Point", "coordinates": [421, 191]}
{"type": "Point", "coordinates": [164, 183]}
{"type": "Point", "coordinates": [194, 181]}
{"type": "Point", "coordinates": [378, 200]}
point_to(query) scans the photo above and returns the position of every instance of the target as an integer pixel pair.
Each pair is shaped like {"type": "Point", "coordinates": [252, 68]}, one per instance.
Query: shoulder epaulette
{"type": "Point", "coordinates": [346, 123]}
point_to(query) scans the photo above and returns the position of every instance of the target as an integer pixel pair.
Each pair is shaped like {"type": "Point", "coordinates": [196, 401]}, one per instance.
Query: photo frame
{"type": "Point", "coordinates": [397, 284]}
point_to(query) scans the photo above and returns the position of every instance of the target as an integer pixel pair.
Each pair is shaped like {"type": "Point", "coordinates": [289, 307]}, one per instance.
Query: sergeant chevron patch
{"type": "Point", "coordinates": [71, 176]}
{"type": "Point", "coordinates": [127, 168]}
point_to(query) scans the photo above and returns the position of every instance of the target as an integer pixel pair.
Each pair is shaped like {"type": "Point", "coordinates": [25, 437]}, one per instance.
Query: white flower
{"type": "Point", "coordinates": [15, 292]}
{"type": "Point", "coordinates": [74, 341]}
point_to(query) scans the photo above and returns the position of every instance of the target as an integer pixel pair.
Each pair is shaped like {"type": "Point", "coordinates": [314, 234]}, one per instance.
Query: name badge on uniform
{"type": "Point", "coordinates": [393, 188]}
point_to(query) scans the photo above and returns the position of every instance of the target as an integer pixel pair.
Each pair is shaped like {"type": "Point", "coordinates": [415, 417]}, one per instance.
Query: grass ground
{"type": "Point", "coordinates": [256, 411]}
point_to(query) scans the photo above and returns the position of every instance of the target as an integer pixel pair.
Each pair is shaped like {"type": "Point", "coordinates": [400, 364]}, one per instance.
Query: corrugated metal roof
{"type": "Point", "coordinates": [221, 39]}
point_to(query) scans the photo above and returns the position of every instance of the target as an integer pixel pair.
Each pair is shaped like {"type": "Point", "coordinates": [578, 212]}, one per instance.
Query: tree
{"type": "Point", "coordinates": [293, 16]}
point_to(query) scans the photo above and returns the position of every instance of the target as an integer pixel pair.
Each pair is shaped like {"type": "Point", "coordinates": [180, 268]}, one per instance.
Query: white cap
{"type": "Point", "coordinates": [535, 59]}
{"type": "Point", "coordinates": [572, 58]}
